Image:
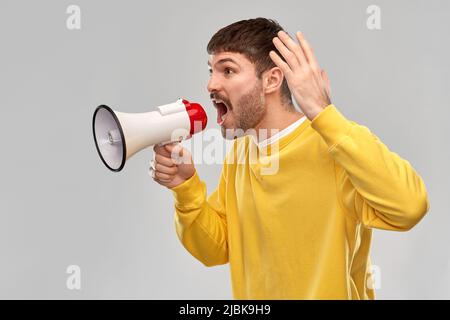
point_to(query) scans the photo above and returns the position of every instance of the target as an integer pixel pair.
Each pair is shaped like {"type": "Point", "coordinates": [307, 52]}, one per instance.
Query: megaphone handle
{"type": "Point", "coordinates": [151, 170]}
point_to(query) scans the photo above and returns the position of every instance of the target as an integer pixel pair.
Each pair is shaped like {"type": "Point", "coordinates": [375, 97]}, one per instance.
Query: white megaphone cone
{"type": "Point", "coordinates": [120, 135]}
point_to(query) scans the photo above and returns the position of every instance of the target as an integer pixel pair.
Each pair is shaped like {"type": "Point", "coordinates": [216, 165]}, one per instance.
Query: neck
{"type": "Point", "coordinates": [277, 118]}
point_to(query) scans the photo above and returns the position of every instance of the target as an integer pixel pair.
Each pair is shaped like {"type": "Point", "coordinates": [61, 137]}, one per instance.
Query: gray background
{"type": "Point", "coordinates": [60, 206]}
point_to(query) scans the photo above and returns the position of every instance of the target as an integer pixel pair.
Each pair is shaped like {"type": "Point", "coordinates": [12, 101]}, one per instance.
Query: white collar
{"type": "Point", "coordinates": [280, 134]}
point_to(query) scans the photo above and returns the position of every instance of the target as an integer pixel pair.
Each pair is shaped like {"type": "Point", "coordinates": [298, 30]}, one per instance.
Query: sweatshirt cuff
{"type": "Point", "coordinates": [331, 125]}
{"type": "Point", "coordinates": [187, 192]}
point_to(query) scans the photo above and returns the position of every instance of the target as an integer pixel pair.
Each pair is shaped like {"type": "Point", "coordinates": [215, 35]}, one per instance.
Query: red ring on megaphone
{"type": "Point", "coordinates": [196, 115]}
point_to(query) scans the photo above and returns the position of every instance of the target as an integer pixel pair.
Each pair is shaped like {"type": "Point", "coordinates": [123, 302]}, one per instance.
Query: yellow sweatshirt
{"type": "Point", "coordinates": [304, 232]}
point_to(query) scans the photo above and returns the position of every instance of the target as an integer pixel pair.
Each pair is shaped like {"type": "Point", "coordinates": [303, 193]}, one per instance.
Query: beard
{"type": "Point", "coordinates": [248, 111]}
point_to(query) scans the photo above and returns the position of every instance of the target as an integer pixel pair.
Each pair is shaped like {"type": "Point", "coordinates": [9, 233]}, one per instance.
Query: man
{"type": "Point", "coordinates": [305, 231]}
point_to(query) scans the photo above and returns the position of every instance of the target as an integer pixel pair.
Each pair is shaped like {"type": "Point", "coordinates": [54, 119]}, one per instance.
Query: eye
{"type": "Point", "coordinates": [228, 71]}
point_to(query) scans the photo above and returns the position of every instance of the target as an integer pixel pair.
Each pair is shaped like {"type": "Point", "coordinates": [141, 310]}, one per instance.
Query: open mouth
{"type": "Point", "coordinates": [222, 111]}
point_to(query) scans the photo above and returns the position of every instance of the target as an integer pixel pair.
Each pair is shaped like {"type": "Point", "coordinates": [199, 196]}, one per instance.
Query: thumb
{"type": "Point", "coordinates": [178, 153]}
{"type": "Point", "coordinates": [174, 149]}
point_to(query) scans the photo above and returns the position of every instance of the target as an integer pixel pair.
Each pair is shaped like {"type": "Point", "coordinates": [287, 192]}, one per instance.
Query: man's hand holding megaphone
{"type": "Point", "coordinates": [171, 165]}
{"type": "Point", "coordinates": [120, 135]}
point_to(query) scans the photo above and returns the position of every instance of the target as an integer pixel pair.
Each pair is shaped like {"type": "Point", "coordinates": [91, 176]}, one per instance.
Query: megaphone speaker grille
{"type": "Point", "coordinates": [109, 138]}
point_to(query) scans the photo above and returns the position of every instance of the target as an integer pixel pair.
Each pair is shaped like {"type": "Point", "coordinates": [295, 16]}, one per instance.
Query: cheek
{"type": "Point", "coordinates": [238, 88]}
{"type": "Point", "coordinates": [237, 91]}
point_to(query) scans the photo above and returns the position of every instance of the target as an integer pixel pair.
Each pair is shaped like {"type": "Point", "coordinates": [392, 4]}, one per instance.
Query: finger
{"type": "Point", "coordinates": [167, 170]}
{"type": "Point", "coordinates": [162, 181]}
{"type": "Point", "coordinates": [326, 81]}
{"type": "Point", "coordinates": [152, 173]}
{"type": "Point", "coordinates": [293, 46]}
{"type": "Point", "coordinates": [287, 54]}
{"type": "Point", "coordinates": [179, 154]}
{"type": "Point", "coordinates": [280, 63]}
{"type": "Point", "coordinates": [163, 176]}
{"type": "Point", "coordinates": [174, 150]}
{"type": "Point", "coordinates": [308, 51]}
{"type": "Point", "coordinates": [168, 162]}
{"type": "Point", "coordinates": [158, 149]}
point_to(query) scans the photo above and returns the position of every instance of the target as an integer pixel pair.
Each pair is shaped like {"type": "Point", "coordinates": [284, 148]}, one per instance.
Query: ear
{"type": "Point", "coordinates": [272, 80]}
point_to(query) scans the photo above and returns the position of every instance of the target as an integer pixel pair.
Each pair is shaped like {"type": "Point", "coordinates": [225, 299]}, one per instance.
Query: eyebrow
{"type": "Point", "coordinates": [223, 61]}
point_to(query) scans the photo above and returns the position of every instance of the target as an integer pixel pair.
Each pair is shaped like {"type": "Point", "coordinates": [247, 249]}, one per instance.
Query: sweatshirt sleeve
{"type": "Point", "coordinates": [375, 186]}
{"type": "Point", "coordinates": [200, 221]}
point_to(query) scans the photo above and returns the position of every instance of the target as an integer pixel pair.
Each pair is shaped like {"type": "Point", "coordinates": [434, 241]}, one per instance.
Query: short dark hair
{"type": "Point", "coordinates": [253, 39]}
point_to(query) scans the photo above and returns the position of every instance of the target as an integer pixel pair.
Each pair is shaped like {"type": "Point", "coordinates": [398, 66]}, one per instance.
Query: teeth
{"type": "Point", "coordinates": [224, 116]}
{"type": "Point", "coordinates": [218, 101]}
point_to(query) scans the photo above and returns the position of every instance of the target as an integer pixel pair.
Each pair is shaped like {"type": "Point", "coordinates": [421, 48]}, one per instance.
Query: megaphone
{"type": "Point", "coordinates": [120, 135]}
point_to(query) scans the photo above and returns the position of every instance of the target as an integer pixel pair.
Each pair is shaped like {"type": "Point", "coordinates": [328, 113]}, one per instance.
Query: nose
{"type": "Point", "coordinates": [213, 84]}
